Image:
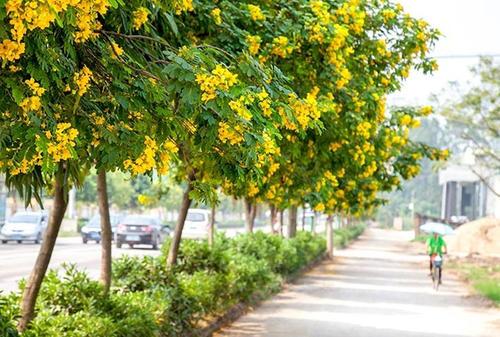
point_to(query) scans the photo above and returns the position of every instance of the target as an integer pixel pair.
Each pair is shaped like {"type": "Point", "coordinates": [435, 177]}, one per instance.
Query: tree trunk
{"type": "Point", "coordinates": [249, 215]}
{"type": "Point", "coordinates": [292, 221]}
{"type": "Point", "coordinates": [255, 209]}
{"type": "Point", "coordinates": [274, 217]}
{"type": "Point", "coordinates": [34, 283]}
{"type": "Point", "coordinates": [313, 222]}
{"type": "Point", "coordinates": [106, 233]}
{"type": "Point", "coordinates": [303, 218]}
{"type": "Point", "coordinates": [280, 225]}
{"type": "Point", "coordinates": [176, 241]}
{"type": "Point", "coordinates": [211, 227]}
{"type": "Point", "coordinates": [329, 236]}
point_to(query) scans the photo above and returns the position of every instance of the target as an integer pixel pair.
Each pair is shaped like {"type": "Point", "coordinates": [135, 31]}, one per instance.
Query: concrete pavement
{"type": "Point", "coordinates": [378, 288]}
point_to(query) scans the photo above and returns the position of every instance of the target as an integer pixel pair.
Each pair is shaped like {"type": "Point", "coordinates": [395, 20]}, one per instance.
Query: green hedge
{"type": "Point", "coordinates": [342, 237]}
{"type": "Point", "coordinates": [147, 300]}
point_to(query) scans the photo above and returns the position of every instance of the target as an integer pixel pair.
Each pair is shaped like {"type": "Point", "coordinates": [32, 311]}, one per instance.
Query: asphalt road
{"type": "Point", "coordinates": [16, 260]}
{"type": "Point", "coordinates": [377, 288]}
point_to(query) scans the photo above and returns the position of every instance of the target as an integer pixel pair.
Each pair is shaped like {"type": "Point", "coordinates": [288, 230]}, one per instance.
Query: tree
{"type": "Point", "coordinates": [475, 117]}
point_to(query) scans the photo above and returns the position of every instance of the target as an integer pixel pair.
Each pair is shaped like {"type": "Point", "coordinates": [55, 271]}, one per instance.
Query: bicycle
{"type": "Point", "coordinates": [437, 263]}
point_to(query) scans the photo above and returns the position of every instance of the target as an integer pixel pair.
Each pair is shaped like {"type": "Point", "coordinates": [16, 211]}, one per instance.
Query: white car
{"type": "Point", "coordinates": [24, 226]}
{"type": "Point", "coordinates": [196, 224]}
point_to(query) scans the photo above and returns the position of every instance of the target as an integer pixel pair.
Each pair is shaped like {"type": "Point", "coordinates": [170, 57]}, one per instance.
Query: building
{"type": "Point", "coordinates": [468, 192]}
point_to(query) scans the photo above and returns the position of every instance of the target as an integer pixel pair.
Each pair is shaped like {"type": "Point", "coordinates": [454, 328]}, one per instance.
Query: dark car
{"type": "Point", "coordinates": [140, 230]}
{"type": "Point", "coordinates": [92, 230]}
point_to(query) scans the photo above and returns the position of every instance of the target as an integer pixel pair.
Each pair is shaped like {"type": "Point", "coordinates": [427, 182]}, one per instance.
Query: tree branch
{"type": "Point", "coordinates": [485, 182]}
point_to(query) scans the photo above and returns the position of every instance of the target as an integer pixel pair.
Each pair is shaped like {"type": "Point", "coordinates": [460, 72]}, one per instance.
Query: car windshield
{"type": "Point", "coordinates": [94, 222]}
{"type": "Point", "coordinates": [195, 216]}
{"type": "Point", "coordinates": [138, 220]}
{"type": "Point", "coordinates": [24, 218]}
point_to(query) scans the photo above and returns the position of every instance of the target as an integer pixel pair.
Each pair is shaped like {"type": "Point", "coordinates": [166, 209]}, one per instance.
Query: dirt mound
{"type": "Point", "coordinates": [477, 237]}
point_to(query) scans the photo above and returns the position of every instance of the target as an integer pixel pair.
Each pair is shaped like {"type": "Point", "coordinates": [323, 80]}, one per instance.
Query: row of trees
{"type": "Point", "coordinates": [280, 102]}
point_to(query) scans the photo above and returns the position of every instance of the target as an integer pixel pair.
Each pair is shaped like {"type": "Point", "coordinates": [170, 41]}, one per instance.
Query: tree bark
{"type": "Point", "coordinates": [280, 224]}
{"type": "Point", "coordinates": [303, 218]}
{"type": "Point", "coordinates": [37, 275]}
{"type": "Point", "coordinates": [274, 217]}
{"type": "Point", "coordinates": [329, 236]}
{"type": "Point", "coordinates": [106, 232]}
{"type": "Point", "coordinates": [211, 227]}
{"type": "Point", "coordinates": [186, 202]}
{"type": "Point", "coordinates": [292, 221]}
{"type": "Point", "coordinates": [249, 215]}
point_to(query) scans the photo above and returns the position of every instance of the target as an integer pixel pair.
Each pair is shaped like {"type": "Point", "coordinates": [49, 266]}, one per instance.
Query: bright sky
{"type": "Point", "coordinates": [469, 27]}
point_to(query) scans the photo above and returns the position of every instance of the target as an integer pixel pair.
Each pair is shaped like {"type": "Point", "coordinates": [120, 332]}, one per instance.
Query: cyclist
{"type": "Point", "coordinates": [436, 246]}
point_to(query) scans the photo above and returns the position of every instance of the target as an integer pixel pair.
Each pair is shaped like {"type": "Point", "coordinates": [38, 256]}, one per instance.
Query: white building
{"type": "Point", "coordinates": [468, 191]}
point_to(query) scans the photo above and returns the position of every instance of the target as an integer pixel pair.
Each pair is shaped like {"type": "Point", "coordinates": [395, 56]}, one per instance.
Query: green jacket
{"type": "Point", "coordinates": [436, 245]}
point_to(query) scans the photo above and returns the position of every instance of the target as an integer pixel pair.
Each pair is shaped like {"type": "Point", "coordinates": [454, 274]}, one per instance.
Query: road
{"type": "Point", "coordinates": [378, 288]}
{"type": "Point", "coordinates": [16, 260]}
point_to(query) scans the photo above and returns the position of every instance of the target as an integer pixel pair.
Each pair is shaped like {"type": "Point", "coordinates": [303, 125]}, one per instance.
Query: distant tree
{"type": "Point", "coordinates": [475, 116]}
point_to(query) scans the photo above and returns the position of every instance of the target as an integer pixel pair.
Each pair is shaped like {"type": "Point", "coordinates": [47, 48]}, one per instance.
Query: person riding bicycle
{"type": "Point", "coordinates": [436, 246]}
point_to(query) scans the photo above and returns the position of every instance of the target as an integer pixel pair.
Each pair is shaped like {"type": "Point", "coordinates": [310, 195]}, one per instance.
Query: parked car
{"type": "Point", "coordinates": [92, 230]}
{"type": "Point", "coordinates": [24, 226]}
{"type": "Point", "coordinates": [196, 224]}
{"type": "Point", "coordinates": [140, 229]}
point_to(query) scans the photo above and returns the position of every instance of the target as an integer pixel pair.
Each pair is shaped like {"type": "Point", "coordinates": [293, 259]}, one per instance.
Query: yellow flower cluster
{"type": "Point", "coordinates": [281, 47]}
{"type": "Point", "coordinates": [253, 42]}
{"type": "Point", "coordinates": [252, 190]}
{"type": "Point", "coordinates": [26, 165]}
{"type": "Point", "coordinates": [335, 146]}
{"type": "Point", "coordinates": [319, 207]}
{"type": "Point", "coordinates": [426, 110]}
{"type": "Point", "coordinates": [140, 17]}
{"type": "Point", "coordinates": [388, 14]}
{"type": "Point", "coordinates": [146, 161]}
{"type": "Point", "coordinates": [407, 120]}
{"type": "Point", "coordinates": [306, 111]}
{"type": "Point", "coordinates": [30, 15]}
{"type": "Point", "coordinates": [82, 80]}
{"type": "Point", "coordinates": [167, 150]}
{"type": "Point", "coordinates": [145, 200]}
{"type": "Point", "coordinates": [86, 17]}
{"type": "Point", "coordinates": [350, 13]}
{"type": "Point", "coordinates": [220, 78]}
{"type": "Point", "coordinates": [256, 13]}
{"type": "Point", "coordinates": [33, 103]}
{"type": "Point", "coordinates": [240, 106]}
{"type": "Point", "coordinates": [60, 148]}
{"type": "Point", "coordinates": [363, 129]}
{"type": "Point", "coordinates": [269, 145]}
{"type": "Point", "coordinates": [181, 6]}
{"type": "Point", "coordinates": [318, 26]}
{"type": "Point", "coordinates": [287, 123]}
{"type": "Point", "coordinates": [116, 50]}
{"type": "Point", "coordinates": [233, 135]}
{"type": "Point", "coordinates": [264, 103]}
{"type": "Point", "coordinates": [216, 15]}
{"type": "Point", "coordinates": [135, 115]}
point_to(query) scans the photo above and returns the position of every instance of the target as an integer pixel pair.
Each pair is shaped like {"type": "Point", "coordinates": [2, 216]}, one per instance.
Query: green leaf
{"type": "Point", "coordinates": [172, 24]}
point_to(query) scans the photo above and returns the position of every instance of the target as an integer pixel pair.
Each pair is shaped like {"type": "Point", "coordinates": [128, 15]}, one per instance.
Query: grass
{"type": "Point", "coordinates": [421, 238]}
{"type": "Point", "coordinates": [484, 279]}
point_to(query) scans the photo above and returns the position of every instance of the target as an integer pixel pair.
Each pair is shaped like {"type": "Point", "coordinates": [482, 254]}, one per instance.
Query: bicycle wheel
{"type": "Point", "coordinates": [435, 277]}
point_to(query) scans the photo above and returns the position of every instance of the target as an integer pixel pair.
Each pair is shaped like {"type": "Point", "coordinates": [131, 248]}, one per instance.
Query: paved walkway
{"type": "Point", "coordinates": [378, 288]}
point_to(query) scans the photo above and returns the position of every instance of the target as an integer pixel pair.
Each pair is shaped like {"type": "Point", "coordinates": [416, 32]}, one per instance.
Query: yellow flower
{"type": "Point", "coordinates": [140, 17]}
{"type": "Point", "coordinates": [256, 13]}
{"type": "Point", "coordinates": [116, 50]}
{"type": "Point", "coordinates": [426, 110]}
{"type": "Point", "coordinates": [181, 6]}
{"type": "Point", "coordinates": [232, 135]}
{"type": "Point", "coordinates": [319, 207]}
{"type": "Point", "coordinates": [60, 147]}
{"type": "Point", "coordinates": [219, 79]}
{"type": "Point", "coordinates": [281, 47]}
{"type": "Point", "coordinates": [82, 80]}
{"type": "Point", "coordinates": [253, 42]}
{"type": "Point", "coordinates": [216, 15]}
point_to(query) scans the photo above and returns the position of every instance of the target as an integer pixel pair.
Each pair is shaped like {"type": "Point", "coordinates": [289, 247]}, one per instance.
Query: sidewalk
{"type": "Point", "coordinates": [378, 288]}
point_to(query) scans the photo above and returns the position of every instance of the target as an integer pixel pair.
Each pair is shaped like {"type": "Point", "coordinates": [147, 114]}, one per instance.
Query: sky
{"type": "Point", "coordinates": [469, 27]}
